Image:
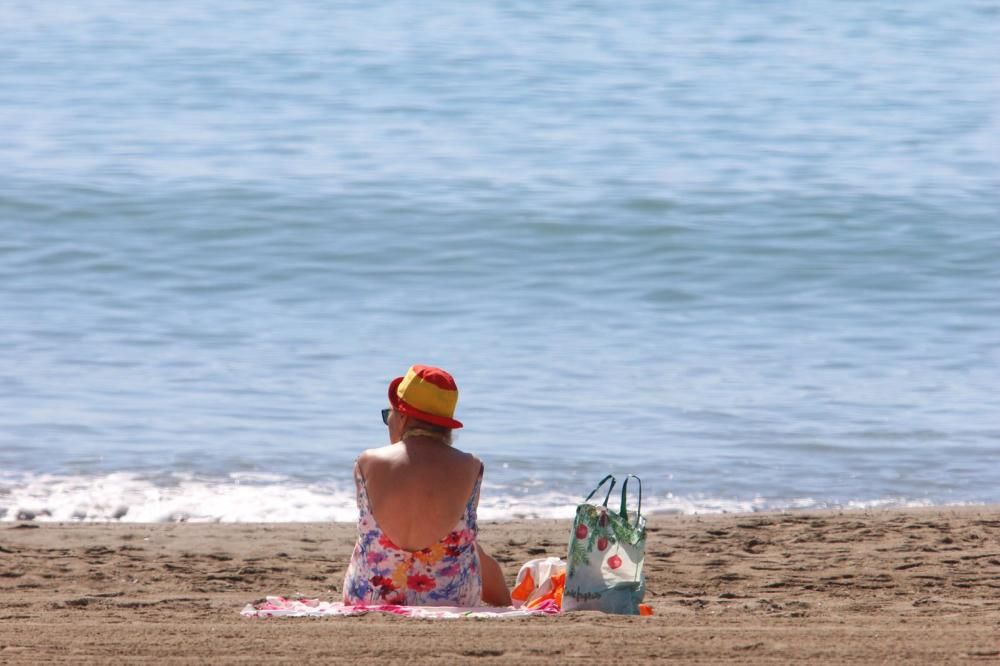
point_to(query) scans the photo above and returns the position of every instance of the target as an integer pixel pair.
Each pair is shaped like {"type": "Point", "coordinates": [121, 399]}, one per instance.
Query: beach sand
{"type": "Point", "coordinates": [876, 586]}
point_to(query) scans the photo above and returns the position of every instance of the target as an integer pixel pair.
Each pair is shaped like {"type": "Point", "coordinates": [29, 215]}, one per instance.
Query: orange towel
{"type": "Point", "coordinates": [539, 581]}
{"type": "Point", "coordinates": [555, 592]}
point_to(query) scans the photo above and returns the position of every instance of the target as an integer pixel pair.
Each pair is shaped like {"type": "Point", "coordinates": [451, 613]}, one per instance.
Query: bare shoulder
{"type": "Point", "coordinates": [369, 457]}
{"type": "Point", "coordinates": [472, 461]}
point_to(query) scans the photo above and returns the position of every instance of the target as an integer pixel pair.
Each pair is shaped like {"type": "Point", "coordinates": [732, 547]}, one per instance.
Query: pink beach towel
{"type": "Point", "coordinates": [282, 607]}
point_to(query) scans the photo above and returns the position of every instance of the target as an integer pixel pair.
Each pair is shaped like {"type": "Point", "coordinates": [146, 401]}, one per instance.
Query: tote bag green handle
{"type": "Point", "coordinates": [598, 487]}
{"type": "Point", "coordinates": [624, 510]}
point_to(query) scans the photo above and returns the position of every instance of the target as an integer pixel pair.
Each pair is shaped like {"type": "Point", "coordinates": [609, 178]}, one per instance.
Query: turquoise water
{"type": "Point", "coordinates": [751, 252]}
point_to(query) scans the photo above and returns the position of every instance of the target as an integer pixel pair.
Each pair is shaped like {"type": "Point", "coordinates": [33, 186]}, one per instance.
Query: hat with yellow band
{"type": "Point", "coordinates": [426, 393]}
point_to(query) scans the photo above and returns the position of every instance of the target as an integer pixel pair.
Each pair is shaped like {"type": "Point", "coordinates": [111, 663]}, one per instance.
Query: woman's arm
{"type": "Point", "coordinates": [495, 592]}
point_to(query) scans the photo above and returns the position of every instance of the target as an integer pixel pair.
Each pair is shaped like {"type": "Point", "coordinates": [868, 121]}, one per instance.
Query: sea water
{"type": "Point", "coordinates": [747, 251]}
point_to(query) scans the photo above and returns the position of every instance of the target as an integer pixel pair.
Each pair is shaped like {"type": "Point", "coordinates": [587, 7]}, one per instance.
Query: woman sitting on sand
{"type": "Point", "coordinates": [417, 499]}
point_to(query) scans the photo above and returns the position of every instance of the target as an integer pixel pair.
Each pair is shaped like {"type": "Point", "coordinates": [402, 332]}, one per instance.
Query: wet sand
{"type": "Point", "coordinates": [878, 586]}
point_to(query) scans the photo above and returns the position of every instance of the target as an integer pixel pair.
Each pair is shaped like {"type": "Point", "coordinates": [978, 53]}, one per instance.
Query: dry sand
{"type": "Point", "coordinates": [886, 586]}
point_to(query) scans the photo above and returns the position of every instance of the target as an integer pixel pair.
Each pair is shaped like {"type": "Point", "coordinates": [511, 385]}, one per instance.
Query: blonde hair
{"type": "Point", "coordinates": [418, 428]}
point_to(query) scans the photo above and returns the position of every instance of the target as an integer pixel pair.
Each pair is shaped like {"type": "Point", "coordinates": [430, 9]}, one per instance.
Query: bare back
{"type": "Point", "coordinates": [418, 489]}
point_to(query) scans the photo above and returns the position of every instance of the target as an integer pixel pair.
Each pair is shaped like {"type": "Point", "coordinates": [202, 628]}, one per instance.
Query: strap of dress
{"type": "Point", "coordinates": [470, 506]}
{"type": "Point", "coordinates": [364, 506]}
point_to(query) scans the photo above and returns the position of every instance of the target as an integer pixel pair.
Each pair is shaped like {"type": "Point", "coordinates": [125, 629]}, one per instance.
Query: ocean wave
{"type": "Point", "coordinates": [273, 498]}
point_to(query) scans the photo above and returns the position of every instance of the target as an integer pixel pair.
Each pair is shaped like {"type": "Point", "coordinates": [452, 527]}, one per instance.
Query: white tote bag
{"type": "Point", "coordinates": [606, 551]}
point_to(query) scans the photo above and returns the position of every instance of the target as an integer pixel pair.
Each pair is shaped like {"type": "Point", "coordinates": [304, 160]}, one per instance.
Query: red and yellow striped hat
{"type": "Point", "coordinates": [426, 393]}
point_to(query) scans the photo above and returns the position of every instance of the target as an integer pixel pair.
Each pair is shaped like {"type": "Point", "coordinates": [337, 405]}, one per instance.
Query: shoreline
{"type": "Point", "coordinates": [913, 585]}
{"type": "Point", "coordinates": [189, 497]}
{"type": "Point", "coordinates": [348, 516]}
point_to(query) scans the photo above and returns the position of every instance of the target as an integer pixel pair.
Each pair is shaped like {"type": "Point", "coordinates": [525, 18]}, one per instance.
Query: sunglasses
{"type": "Point", "coordinates": [385, 415]}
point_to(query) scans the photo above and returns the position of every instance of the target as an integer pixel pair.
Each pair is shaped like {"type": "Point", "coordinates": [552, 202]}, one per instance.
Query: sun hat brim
{"type": "Point", "coordinates": [403, 407]}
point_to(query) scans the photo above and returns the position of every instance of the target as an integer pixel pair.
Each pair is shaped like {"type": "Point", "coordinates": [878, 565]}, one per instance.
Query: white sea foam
{"type": "Point", "coordinates": [239, 498]}
{"type": "Point", "coordinates": [132, 498]}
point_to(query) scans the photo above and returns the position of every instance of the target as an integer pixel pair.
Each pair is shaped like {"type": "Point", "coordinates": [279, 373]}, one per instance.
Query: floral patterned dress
{"type": "Point", "coordinates": [444, 574]}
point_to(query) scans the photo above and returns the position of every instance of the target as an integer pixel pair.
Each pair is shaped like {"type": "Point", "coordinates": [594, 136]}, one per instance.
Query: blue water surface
{"type": "Point", "coordinates": [750, 251]}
